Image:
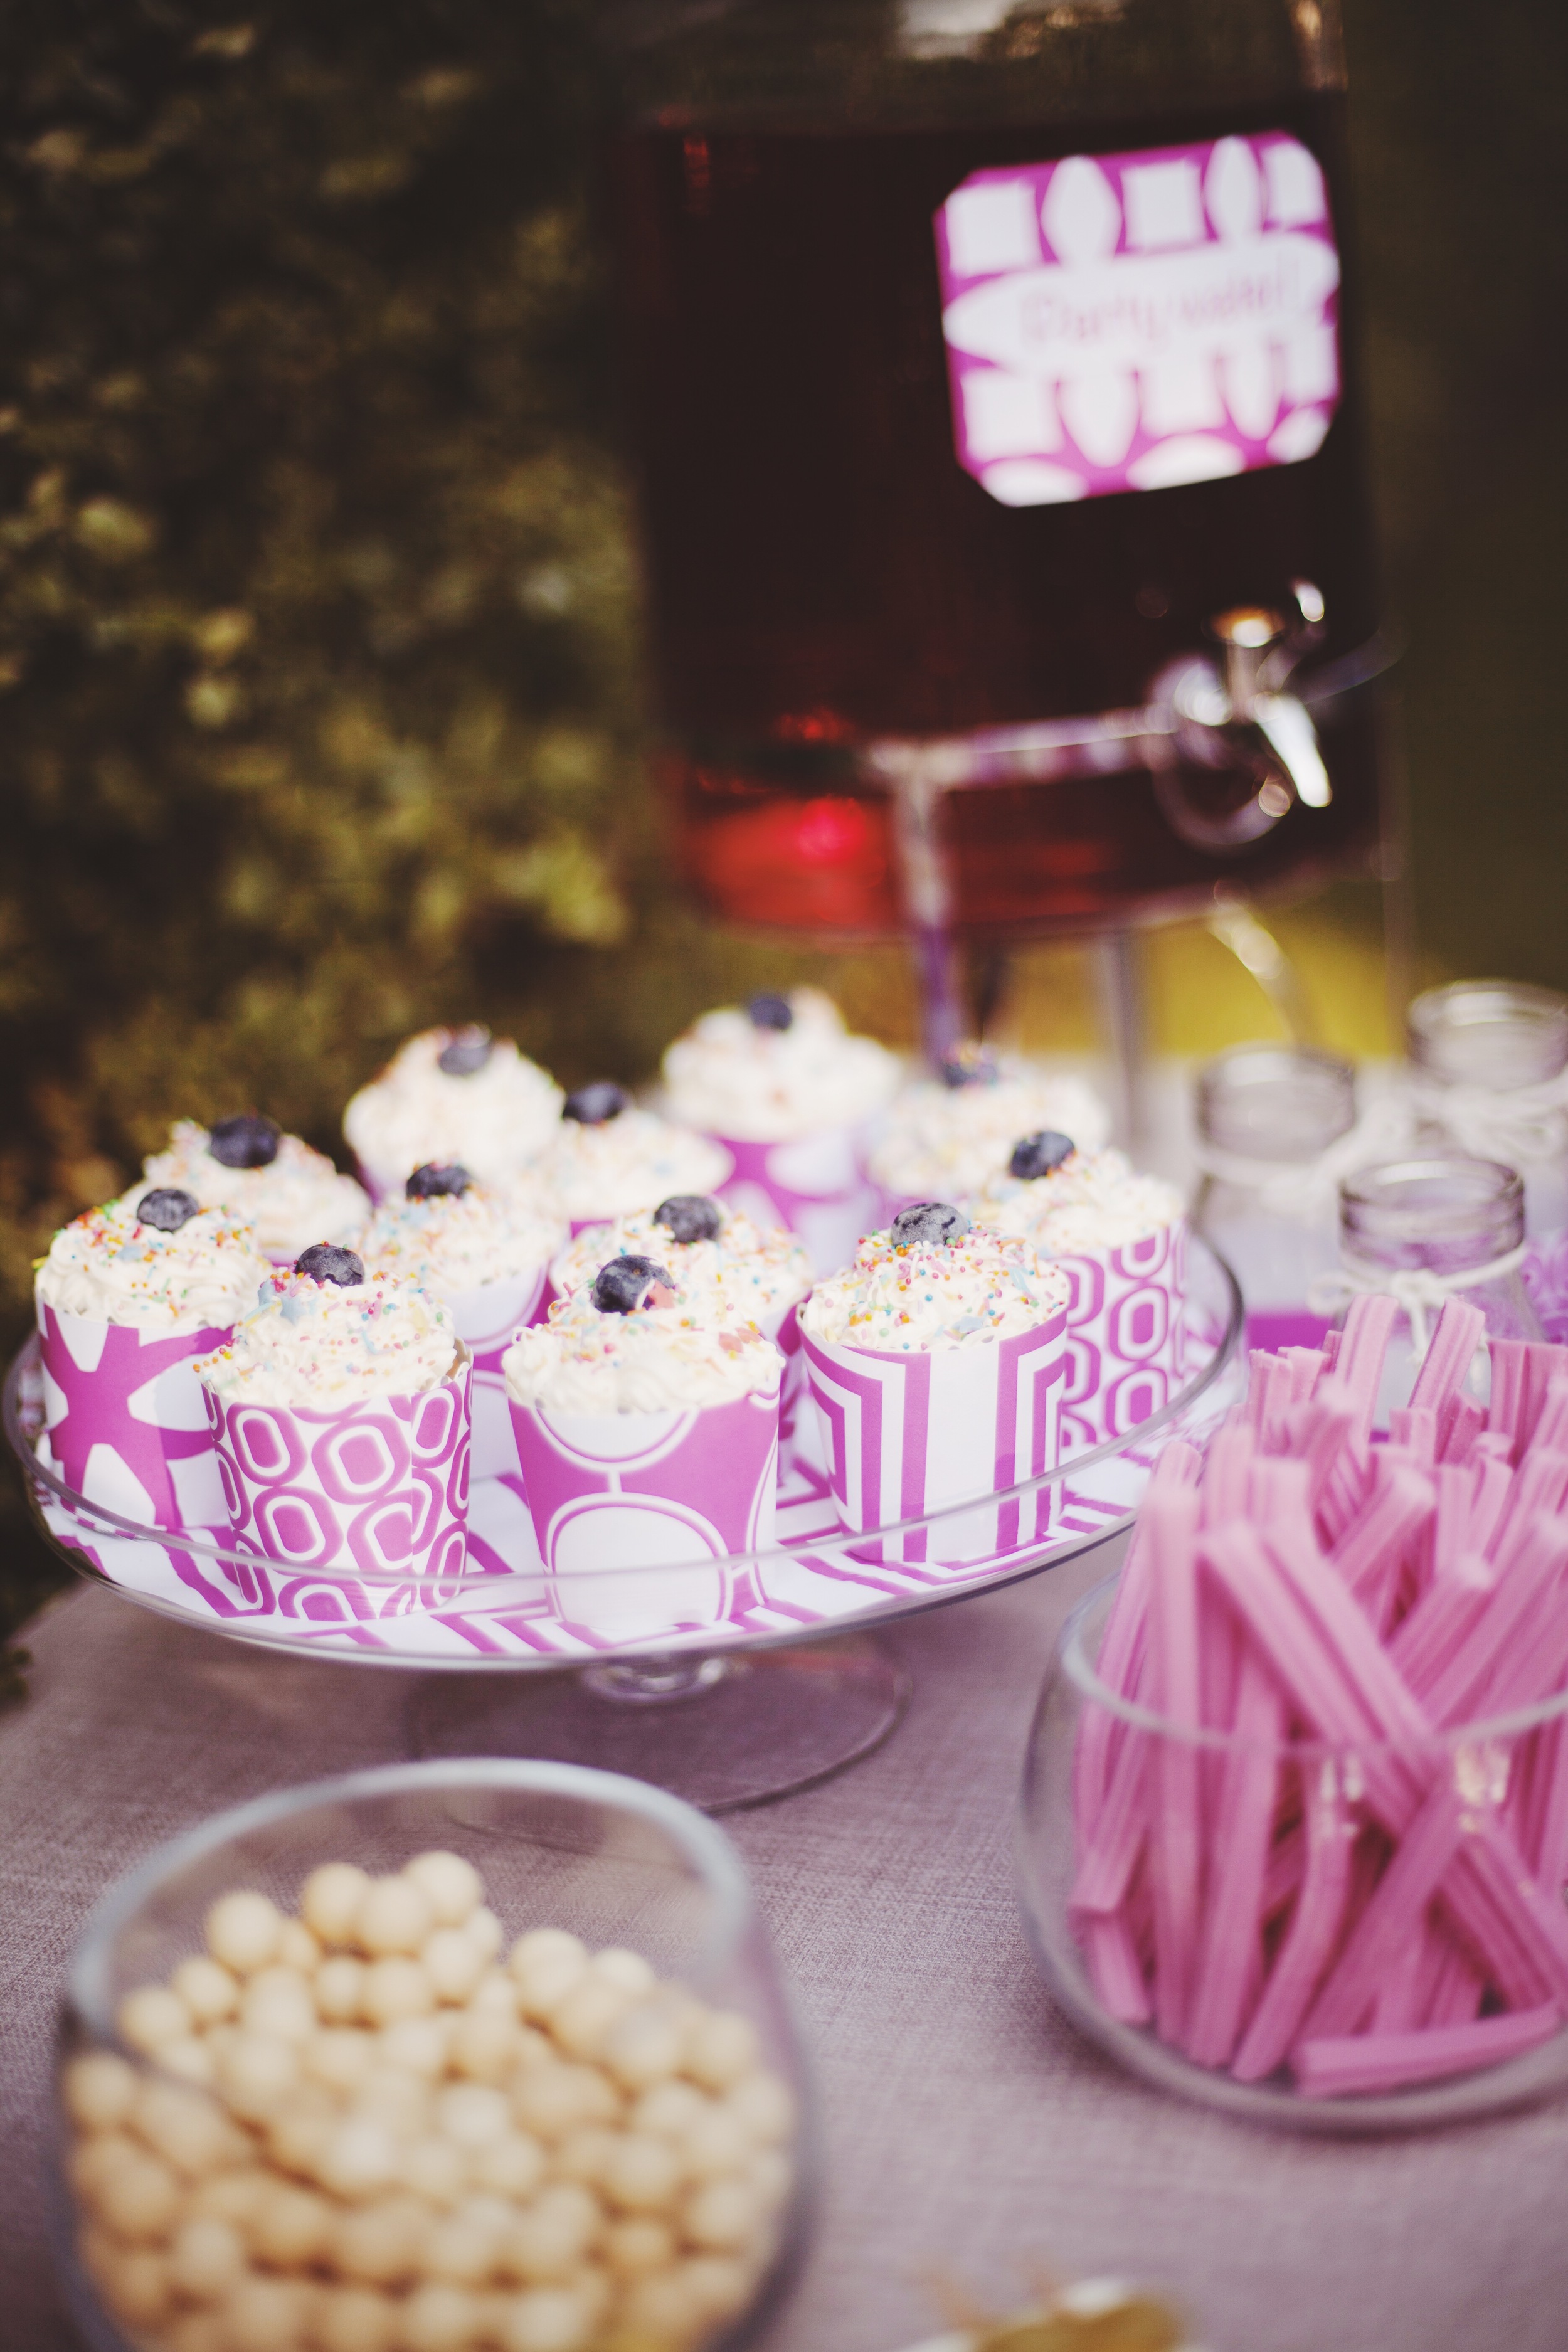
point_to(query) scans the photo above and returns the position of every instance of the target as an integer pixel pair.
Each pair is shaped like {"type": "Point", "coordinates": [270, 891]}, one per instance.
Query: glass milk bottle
{"type": "Point", "coordinates": [1489, 1074]}
{"type": "Point", "coordinates": [1429, 1230]}
{"type": "Point", "coordinates": [1265, 1115]}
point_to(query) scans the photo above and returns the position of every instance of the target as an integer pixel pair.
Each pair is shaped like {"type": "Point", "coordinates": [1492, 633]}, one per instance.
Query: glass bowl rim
{"type": "Point", "coordinates": [711, 1852]}
{"type": "Point", "coordinates": [1072, 1657]}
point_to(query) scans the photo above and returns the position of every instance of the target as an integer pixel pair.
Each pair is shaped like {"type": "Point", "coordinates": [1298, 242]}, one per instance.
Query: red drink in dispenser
{"type": "Point", "coordinates": [1006, 531]}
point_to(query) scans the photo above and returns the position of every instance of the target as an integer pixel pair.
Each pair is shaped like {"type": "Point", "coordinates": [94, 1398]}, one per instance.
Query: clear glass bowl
{"type": "Point", "coordinates": [1481, 1763]}
{"type": "Point", "coordinates": [612, 1860]}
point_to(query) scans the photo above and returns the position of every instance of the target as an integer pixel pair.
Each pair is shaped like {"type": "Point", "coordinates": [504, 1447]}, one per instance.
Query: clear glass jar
{"type": "Point", "coordinates": [1489, 1074]}
{"type": "Point", "coordinates": [1431, 1229]}
{"type": "Point", "coordinates": [884, 559]}
{"type": "Point", "coordinates": [1266, 1116]}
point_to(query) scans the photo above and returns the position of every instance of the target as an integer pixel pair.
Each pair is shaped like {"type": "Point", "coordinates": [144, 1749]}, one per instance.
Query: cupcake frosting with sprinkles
{"type": "Point", "coordinates": [946, 1137]}
{"type": "Point", "coordinates": [248, 1168]}
{"type": "Point", "coordinates": [737, 1272]}
{"type": "Point", "coordinates": [610, 1157]}
{"type": "Point", "coordinates": [194, 1271]}
{"type": "Point", "coordinates": [325, 1344]}
{"type": "Point", "coordinates": [1091, 1200]}
{"type": "Point", "coordinates": [906, 1294]}
{"type": "Point", "coordinates": [777, 1068]}
{"type": "Point", "coordinates": [652, 1359]}
{"type": "Point", "coordinates": [458, 1241]}
{"type": "Point", "coordinates": [453, 1094]}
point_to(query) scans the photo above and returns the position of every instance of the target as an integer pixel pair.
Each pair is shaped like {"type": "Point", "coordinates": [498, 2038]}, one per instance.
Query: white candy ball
{"type": "Point", "coordinates": [547, 2319]}
{"type": "Point", "coordinates": [452, 1887]}
{"type": "Point", "coordinates": [138, 2198]}
{"type": "Point", "coordinates": [582, 2022]}
{"type": "Point", "coordinates": [255, 2073]}
{"type": "Point", "coordinates": [298, 2137]}
{"type": "Point", "coordinates": [627, 1969]}
{"type": "Point", "coordinates": [398, 2101]}
{"type": "Point", "coordinates": [720, 2048]}
{"type": "Point", "coordinates": [298, 1948]}
{"type": "Point", "coordinates": [512, 2167]}
{"type": "Point", "coordinates": [551, 2101]}
{"type": "Point", "coordinates": [379, 2244]}
{"type": "Point", "coordinates": [339, 1989]}
{"type": "Point", "coordinates": [231, 2196]}
{"type": "Point", "coordinates": [472, 2115]}
{"type": "Point", "coordinates": [551, 2236]}
{"type": "Point", "coordinates": [670, 2109]}
{"type": "Point", "coordinates": [461, 2248]}
{"type": "Point", "coordinates": [418, 2044]}
{"type": "Point", "coordinates": [341, 2056]}
{"type": "Point", "coordinates": [661, 2308]}
{"type": "Point", "coordinates": [330, 1901]}
{"type": "Point", "coordinates": [643, 2174]}
{"type": "Point", "coordinates": [394, 1916]}
{"type": "Point", "coordinates": [91, 2161]}
{"type": "Point", "coordinates": [484, 2046]}
{"type": "Point", "coordinates": [718, 2284]}
{"type": "Point", "coordinates": [440, 2317]}
{"type": "Point", "coordinates": [354, 2319]}
{"type": "Point", "coordinates": [582, 2155]}
{"type": "Point", "coordinates": [188, 2057]}
{"type": "Point", "coordinates": [243, 1930]}
{"type": "Point", "coordinates": [278, 2001]}
{"type": "Point", "coordinates": [290, 2227]}
{"type": "Point", "coordinates": [360, 2157]}
{"type": "Point", "coordinates": [206, 2258]}
{"type": "Point", "coordinates": [495, 1995]}
{"type": "Point", "coordinates": [98, 2089]}
{"type": "Point", "coordinates": [644, 2047]}
{"type": "Point", "coordinates": [544, 1966]}
{"type": "Point", "coordinates": [395, 1987]}
{"type": "Point", "coordinates": [636, 2245]}
{"type": "Point", "coordinates": [153, 2015]}
{"type": "Point", "coordinates": [196, 2331]}
{"type": "Point", "coordinates": [762, 2107]}
{"type": "Point", "coordinates": [485, 1931]}
{"type": "Point", "coordinates": [265, 2315]}
{"type": "Point", "coordinates": [182, 2126]}
{"type": "Point", "coordinates": [434, 2170]}
{"type": "Point", "coordinates": [453, 1962]}
{"type": "Point", "coordinates": [135, 2285]}
{"type": "Point", "coordinates": [720, 2214]}
{"type": "Point", "coordinates": [716, 2143]}
{"type": "Point", "coordinates": [209, 1990]}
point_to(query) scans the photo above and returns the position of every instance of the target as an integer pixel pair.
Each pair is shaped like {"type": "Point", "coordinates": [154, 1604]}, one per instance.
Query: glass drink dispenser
{"type": "Point", "coordinates": [999, 433]}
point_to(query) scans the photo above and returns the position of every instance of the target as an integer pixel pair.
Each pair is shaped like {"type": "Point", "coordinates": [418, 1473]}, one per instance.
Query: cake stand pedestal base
{"type": "Point", "coordinates": [721, 1731]}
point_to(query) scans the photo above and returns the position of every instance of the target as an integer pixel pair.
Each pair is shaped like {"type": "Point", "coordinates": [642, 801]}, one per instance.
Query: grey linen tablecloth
{"type": "Point", "coordinates": [967, 2126]}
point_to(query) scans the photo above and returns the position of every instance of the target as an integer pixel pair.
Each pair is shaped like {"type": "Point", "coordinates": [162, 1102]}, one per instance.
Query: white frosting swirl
{"type": "Point", "coordinates": [634, 1161]}
{"type": "Point", "coordinates": [107, 1264]}
{"type": "Point", "coordinates": [899, 1298]}
{"type": "Point", "coordinates": [298, 1199]}
{"type": "Point", "coordinates": [1096, 1200]}
{"type": "Point", "coordinates": [748, 1274]}
{"type": "Point", "coordinates": [492, 1121]}
{"type": "Point", "coordinates": [940, 1143]}
{"type": "Point", "coordinates": [316, 1343]}
{"type": "Point", "coordinates": [657, 1359]}
{"type": "Point", "coordinates": [765, 1085]}
{"type": "Point", "coordinates": [458, 1241]}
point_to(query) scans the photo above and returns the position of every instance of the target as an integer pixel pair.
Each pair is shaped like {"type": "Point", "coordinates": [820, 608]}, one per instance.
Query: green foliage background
{"type": "Point", "coordinates": [318, 691]}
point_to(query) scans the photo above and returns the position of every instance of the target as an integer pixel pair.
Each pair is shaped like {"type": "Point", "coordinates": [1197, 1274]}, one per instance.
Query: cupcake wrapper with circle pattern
{"type": "Point", "coordinates": [487, 1319]}
{"type": "Point", "coordinates": [903, 1435]}
{"type": "Point", "coordinates": [643, 1490]}
{"type": "Point", "coordinates": [1125, 1328]}
{"type": "Point", "coordinates": [378, 1488]}
{"type": "Point", "coordinates": [814, 1184]}
{"type": "Point", "coordinates": [127, 1422]}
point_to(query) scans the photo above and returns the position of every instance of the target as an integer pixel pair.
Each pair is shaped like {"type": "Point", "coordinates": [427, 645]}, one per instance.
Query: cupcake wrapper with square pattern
{"type": "Point", "coordinates": [903, 1435]}
{"type": "Point", "coordinates": [377, 1488]}
{"type": "Point", "coordinates": [632, 1490]}
{"type": "Point", "coordinates": [814, 1184]}
{"type": "Point", "coordinates": [126, 1417]}
{"type": "Point", "coordinates": [487, 1319]}
{"type": "Point", "coordinates": [1125, 1326]}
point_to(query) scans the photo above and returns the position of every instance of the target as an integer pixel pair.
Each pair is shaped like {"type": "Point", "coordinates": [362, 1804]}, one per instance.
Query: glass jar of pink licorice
{"type": "Point", "coordinates": [1336, 1935]}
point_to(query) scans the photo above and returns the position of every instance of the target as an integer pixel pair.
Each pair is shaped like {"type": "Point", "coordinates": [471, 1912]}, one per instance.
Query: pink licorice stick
{"type": "Point", "coordinates": [1441, 1622]}
{"type": "Point", "coordinates": [1540, 1484]}
{"type": "Point", "coordinates": [1243, 1818]}
{"type": "Point", "coordinates": [1276, 1489]}
{"type": "Point", "coordinates": [1505, 1409]}
{"type": "Point", "coordinates": [1457, 1333]}
{"type": "Point", "coordinates": [1121, 1646]}
{"type": "Point", "coordinates": [1457, 1987]}
{"type": "Point", "coordinates": [1551, 1836]}
{"type": "Point", "coordinates": [1388, 2062]}
{"type": "Point", "coordinates": [1369, 1552]}
{"type": "Point", "coordinates": [1369, 1325]}
{"type": "Point", "coordinates": [1393, 1919]}
{"type": "Point", "coordinates": [1306, 1366]}
{"type": "Point", "coordinates": [1269, 1398]}
{"type": "Point", "coordinates": [1224, 1488]}
{"type": "Point", "coordinates": [1345, 1488]}
{"type": "Point", "coordinates": [1488, 1501]}
{"type": "Point", "coordinates": [1282, 1872]}
{"type": "Point", "coordinates": [1400, 2002]}
{"type": "Point", "coordinates": [1413, 1433]}
{"type": "Point", "coordinates": [1551, 1430]}
{"type": "Point", "coordinates": [1455, 1488]}
{"type": "Point", "coordinates": [1529, 1568]}
{"type": "Point", "coordinates": [1331, 1341]}
{"type": "Point", "coordinates": [1111, 1952]}
{"type": "Point", "coordinates": [1175, 1852]}
{"type": "Point", "coordinates": [1109, 1850]}
{"type": "Point", "coordinates": [1462, 1422]}
{"type": "Point", "coordinates": [1310, 1938]}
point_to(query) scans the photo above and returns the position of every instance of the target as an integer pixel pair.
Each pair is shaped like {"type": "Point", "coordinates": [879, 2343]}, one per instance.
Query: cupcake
{"type": "Point", "coordinates": [791, 1095]}
{"type": "Point", "coordinates": [936, 1364]}
{"type": "Point", "coordinates": [128, 1298]}
{"type": "Point", "coordinates": [609, 1158]}
{"type": "Point", "coordinates": [648, 1435]}
{"type": "Point", "coordinates": [726, 1269]}
{"type": "Point", "coordinates": [947, 1135]}
{"type": "Point", "coordinates": [249, 1169]}
{"type": "Point", "coordinates": [1121, 1239]}
{"type": "Point", "coordinates": [340, 1409]}
{"type": "Point", "coordinates": [452, 1095]}
{"type": "Point", "coordinates": [484, 1252]}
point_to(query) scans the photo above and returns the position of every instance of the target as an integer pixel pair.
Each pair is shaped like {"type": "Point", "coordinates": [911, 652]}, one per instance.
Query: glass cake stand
{"type": "Point", "coordinates": [727, 1680]}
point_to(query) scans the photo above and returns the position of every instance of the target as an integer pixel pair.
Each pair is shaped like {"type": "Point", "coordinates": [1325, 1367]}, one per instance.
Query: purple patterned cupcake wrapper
{"type": "Point", "coordinates": [907, 1434]}
{"type": "Point", "coordinates": [816, 1186]}
{"type": "Point", "coordinates": [643, 1490]}
{"type": "Point", "coordinates": [1124, 1339]}
{"type": "Point", "coordinates": [379, 1488]}
{"type": "Point", "coordinates": [488, 1320]}
{"type": "Point", "coordinates": [126, 1419]}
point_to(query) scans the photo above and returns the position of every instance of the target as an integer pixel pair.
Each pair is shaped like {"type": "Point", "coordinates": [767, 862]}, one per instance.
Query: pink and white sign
{"type": "Point", "coordinates": [1124, 1338]}
{"type": "Point", "coordinates": [814, 1184]}
{"type": "Point", "coordinates": [907, 1434]}
{"type": "Point", "coordinates": [487, 1319]}
{"type": "Point", "coordinates": [643, 1490]}
{"type": "Point", "coordinates": [1132, 321]}
{"type": "Point", "coordinates": [380, 1487]}
{"type": "Point", "coordinates": [127, 1418]}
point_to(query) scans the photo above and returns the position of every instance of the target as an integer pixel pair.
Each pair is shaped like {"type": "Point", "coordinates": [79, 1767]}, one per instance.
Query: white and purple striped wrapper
{"type": "Point", "coordinates": [816, 1186]}
{"type": "Point", "coordinates": [647, 1490]}
{"type": "Point", "coordinates": [126, 1418]}
{"type": "Point", "coordinates": [1125, 1336]}
{"type": "Point", "coordinates": [904, 1435]}
{"type": "Point", "coordinates": [380, 1487]}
